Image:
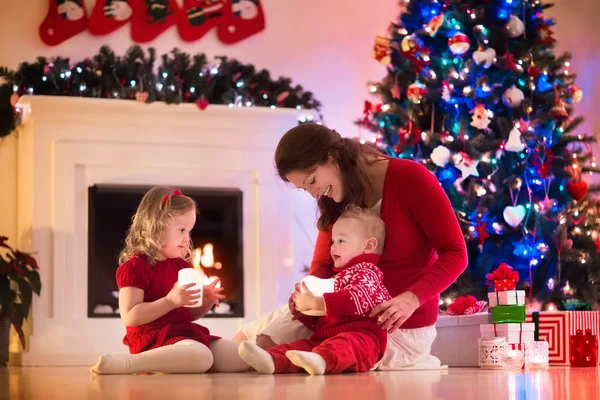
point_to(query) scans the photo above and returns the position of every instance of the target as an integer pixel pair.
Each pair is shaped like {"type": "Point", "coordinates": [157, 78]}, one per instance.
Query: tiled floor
{"type": "Point", "coordinates": [77, 383]}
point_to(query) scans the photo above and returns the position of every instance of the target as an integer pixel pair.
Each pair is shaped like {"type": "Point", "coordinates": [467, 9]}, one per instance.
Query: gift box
{"type": "Point", "coordinates": [583, 349]}
{"type": "Point", "coordinates": [507, 298]}
{"type": "Point", "coordinates": [508, 314]}
{"type": "Point", "coordinates": [504, 284]}
{"type": "Point", "coordinates": [456, 344]}
{"type": "Point", "coordinates": [513, 332]}
{"type": "Point", "coordinates": [556, 327]}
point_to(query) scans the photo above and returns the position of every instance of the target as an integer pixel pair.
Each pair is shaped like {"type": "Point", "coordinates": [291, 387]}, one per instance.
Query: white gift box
{"type": "Point", "coordinates": [456, 344]}
{"type": "Point", "coordinates": [513, 333]}
{"type": "Point", "coordinates": [507, 298]}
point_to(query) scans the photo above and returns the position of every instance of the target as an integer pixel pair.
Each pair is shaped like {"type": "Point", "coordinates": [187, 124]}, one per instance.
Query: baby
{"type": "Point", "coordinates": [345, 338]}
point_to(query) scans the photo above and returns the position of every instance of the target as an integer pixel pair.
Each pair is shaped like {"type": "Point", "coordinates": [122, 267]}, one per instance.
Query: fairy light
{"type": "Point", "coordinates": [192, 89]}
{"type": "Point", "coordinates": [385, 107]}
{"type": "Point", "coordinates": [425, 57]}
{"type": "Point", "coordinates": [472, 228]}
{"type": "Point", "coordinates": [164, 75]}
{"type": "Point", "coordinates": [373, 88]}
{"type": "Point", "coordinates": [577, 230]}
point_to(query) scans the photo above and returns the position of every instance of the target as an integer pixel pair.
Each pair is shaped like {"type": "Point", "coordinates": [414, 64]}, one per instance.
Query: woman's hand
{"type": "Point", "coordinates": [396, 311]}
{"type": "Point", "coordinates": [181, 296]}
{"type": "Point", "coordinates": [212, 293]}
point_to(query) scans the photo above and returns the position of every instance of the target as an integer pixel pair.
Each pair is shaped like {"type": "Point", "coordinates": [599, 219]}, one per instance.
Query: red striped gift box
{"type": "Point", "coordinates": [556, 327]}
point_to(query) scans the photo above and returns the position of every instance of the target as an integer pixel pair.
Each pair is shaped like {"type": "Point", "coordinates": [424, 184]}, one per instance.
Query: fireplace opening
{"type": "Point", "coordinates": [217, 238]}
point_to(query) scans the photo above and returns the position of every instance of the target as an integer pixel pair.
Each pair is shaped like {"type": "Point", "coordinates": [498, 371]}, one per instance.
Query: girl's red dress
{"type": "Point", "coordinates": [157, 281]}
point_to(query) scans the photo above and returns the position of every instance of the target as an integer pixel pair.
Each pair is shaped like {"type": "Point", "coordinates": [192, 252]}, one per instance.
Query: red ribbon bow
{"type": "Point", "coordinates": [167, 196]}
{"type": "Point", "coordinates": [504, 271]}
{"type": "Point", "coordinates": [465, 306]}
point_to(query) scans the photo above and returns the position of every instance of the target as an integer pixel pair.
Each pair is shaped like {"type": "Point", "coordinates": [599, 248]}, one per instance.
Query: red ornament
{"type": "Point", "coordinates": [459, 43]}
{"type": "Point", "coordinates": [577, 190]}
{"type": "Point", "coordinates": [543, 168]}
{"type": "Point", "coordinates": [558, 110]}
{"type": "Point", "coordinates": [282, 96]}
{"type": "Point", "coordinates": [597, 246]}
{"type": "Point", "coordinates": [545, 34]}
{"type": "Point", "coordinates": [396, 91]}
{"type": "Point", "coordinates": [202, 104]}
{"type": "Point", "coordinates": [509, 62]}
{"type": "Point", "coordinates": [481, 229]}
{"type": "Point", "coordinates": [533, 72]}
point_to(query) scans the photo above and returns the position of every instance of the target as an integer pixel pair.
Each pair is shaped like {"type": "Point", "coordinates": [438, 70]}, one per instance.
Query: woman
{"type": "Point", "coordinates": [424, 249]}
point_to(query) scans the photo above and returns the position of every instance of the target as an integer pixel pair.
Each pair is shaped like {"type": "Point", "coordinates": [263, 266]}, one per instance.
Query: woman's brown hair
{"type": "Point", "coordinates": [305, 147]}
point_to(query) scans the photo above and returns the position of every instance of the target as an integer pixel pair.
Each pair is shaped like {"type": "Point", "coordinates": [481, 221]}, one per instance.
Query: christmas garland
{"type": "Point", "coordinates": [180, 78]}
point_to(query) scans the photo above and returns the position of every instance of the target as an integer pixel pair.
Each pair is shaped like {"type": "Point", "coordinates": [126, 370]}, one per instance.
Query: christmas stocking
{"type": "Point", "coordinates": [153, 17]}
{"type": "Point", "coordinates": [109, 15]}
{"type": "Point", "coordinates": [65, 19]}
{"type": "Point", "coordinates": [246, 19]}
{"type": "Point", "coordinates": [201, 16]}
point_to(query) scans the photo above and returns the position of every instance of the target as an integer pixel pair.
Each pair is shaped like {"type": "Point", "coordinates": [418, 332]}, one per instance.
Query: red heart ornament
{"type": "Point", "coordinates": [577, 190]}
{"type": "Point", "coordinates": [202, 104]}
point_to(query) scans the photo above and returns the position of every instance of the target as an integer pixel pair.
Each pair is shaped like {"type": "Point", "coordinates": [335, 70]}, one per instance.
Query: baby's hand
{"type": "Point", "coordinates": [307, 300]}
{"type": "Point", "coordinates": [180, 296]}
{"type": "Point", "coordinates": [213, 293]}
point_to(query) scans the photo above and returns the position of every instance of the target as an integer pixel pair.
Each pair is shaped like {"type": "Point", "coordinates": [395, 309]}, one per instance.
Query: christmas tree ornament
{"type": "Point", "coordinates": [152, 19]}
{"type": "Point", "coordinates": [576, 93]}
{"type": "Point", "coordinates": [485, 57]}
{"type": "Point", "coordinates": [510, 63]}
{"type": "Point", "coordinates": [543, 85]}
{"type": "Point", "coordinates": [415, 92]}
{"type": "Point", "coordinates": [465, 164]}
{"type": "Point", "coordinates": [480, 119]}
{"type": "Point", "coordinates": [381, 50]}
{"type": "Point", "coordinates": [533, 72]}
{"type": "Point", "coordinates": [141, 97]}
{"type": "Point", "coordinates": [203, 15]}
{"type": "Point", "coordinates": [440, 156]}
{"type": "Point", "coordinates": [577, 190]}
{"type": "Point", "coordinates": [513, 215]}
{"type": "Point", "coordinates": [446, 91]}
{"type": "Point", "coordinates": [411, 44]}
{"type": "Point", "coordinates": [459, 43]}
{"type": "Point", "coordinates": [65, 19]}
{"type": "Point", "coordinates": [434, 24]}
{"type": "Point", "coordinates": [513, 97]}
{"type": "Point", "coordinates": [558, 111]}
{"type": "Point", "coordinates": [545, 34]}
{"type": "Point", "coordinates": [514, 143]}
{"type": "Point", "coordinates": [109, 15]}
{"type": "Point", "coordinates": [396, 92]}
{"type": "Point", "coordinates": [244, 19]}
{"type": "Point", "coordinates": [515, 27]}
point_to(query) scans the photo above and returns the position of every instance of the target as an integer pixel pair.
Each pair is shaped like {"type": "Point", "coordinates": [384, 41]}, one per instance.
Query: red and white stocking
{"type": "Point", "coordinates": [153, 17]}
{"type": "Point", "coordinates": [109, 15]}
{"type": "Point", "coordinates": [200, 17]}
{"type": "Point", "coordinates": [65, 19]}
{"type": "Point", "coordinates": [245, 19]}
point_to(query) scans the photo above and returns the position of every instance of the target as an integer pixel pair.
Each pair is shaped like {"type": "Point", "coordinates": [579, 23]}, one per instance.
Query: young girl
{"type": "Point", "coordinates": [160, 333]}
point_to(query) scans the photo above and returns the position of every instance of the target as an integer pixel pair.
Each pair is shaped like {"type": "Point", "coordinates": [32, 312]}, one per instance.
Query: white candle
{"type": "Point", "coordinates": [317, 286]}
{"type": "Point", "coordinates": [191, 275]}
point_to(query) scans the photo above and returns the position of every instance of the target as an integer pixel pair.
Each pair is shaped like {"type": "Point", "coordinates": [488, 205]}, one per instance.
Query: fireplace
{"type": "Point", "coordinates": [71, 166]}
{"type": "Point", "coordinates": [217, 238]}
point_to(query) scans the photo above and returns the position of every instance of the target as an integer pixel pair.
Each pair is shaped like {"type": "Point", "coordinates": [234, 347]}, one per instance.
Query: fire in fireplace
{"type": "Point", "coordinates": [217, 238]}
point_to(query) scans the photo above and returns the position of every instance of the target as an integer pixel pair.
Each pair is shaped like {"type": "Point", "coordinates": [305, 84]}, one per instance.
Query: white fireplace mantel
{"type": "Point", "coordinates": [68, 144]}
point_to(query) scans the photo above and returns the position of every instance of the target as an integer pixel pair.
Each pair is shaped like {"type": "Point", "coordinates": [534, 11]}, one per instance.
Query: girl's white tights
{"type": "Point", "coordinates": [184, 357]}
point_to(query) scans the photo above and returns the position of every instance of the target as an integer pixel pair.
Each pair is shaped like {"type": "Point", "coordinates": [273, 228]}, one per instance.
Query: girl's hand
{"type": "Point", "coordinates": [213, 293]}
{"type": "Point", "coordinates": [396, 311]}
{"type": "Point", "coordinates": [181, 296]}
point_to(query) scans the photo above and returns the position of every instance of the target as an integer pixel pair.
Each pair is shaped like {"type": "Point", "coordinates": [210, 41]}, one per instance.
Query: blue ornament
{"type": "Point", "coordinates": [543, 85]}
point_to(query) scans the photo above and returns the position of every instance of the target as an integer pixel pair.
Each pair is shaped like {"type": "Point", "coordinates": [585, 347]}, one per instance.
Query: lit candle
{"type": "Point", "coordinates": [192, 275]}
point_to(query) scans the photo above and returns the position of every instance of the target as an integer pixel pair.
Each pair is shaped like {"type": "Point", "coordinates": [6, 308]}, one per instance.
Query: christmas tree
{"type": "Point", "coordinates": [475, 92]}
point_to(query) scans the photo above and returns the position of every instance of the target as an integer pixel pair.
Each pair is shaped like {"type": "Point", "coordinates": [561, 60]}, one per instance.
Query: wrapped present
{"type": "Point", "coordinates": [506, 298]}
{"type": "Point", "coordinates": [456, 344]}
{"type": "Point", "coordinates": [503, 278]}
{"type": "Point", "coordinates": [508, 314]}
{"type": "Point", "coordinates": [583, 349]}
{"type": "Point", "coordinates": [556, 327]}
{"type": "Point", "coordinates": [513, 333]}
{"type": "Point", "coordinates": [517, 346]}
{"type": "Point", "coordinates": [465, 305]}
